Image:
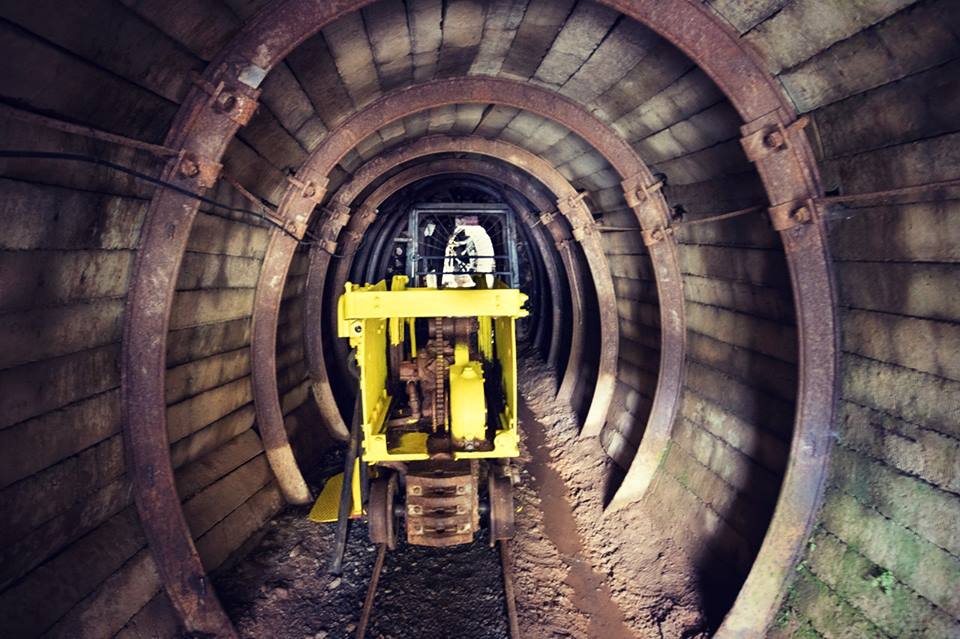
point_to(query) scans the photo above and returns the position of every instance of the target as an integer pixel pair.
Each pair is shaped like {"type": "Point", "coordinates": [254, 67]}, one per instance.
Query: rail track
{"type": "Point", "coordinates": [506, 569]}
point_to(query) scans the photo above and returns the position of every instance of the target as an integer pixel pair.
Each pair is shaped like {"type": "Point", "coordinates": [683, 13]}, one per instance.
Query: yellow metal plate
{"type": "Point", "coordinates": [327, 507]}
{"type": "Point", "coordinates": [367, 303]}
{"type": "Point", "coordinates": [370, 315]}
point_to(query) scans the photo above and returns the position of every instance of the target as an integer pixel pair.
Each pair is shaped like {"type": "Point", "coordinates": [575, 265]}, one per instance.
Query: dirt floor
{"type": "Point", "coordinates": [577, 574]}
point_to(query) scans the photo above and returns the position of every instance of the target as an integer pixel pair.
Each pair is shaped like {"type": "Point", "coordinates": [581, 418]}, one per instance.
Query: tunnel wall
{"type": "Point", "coordinates": [71, 539]}
{"type": "Point", "coordinates": [720, 479]}
{"type": "Point", "coordinates": [880, 86]}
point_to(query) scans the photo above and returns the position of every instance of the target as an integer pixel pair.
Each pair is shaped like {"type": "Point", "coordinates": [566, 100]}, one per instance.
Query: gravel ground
{"type": "Point", "coordinates": [647, 575]}
{"type": "Point", "coordinates": [282, 589]}
{"type": "Point", "coordinates": [577, 574]}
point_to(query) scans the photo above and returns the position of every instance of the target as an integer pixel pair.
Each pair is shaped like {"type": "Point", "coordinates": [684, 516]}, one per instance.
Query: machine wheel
{"type": "Point", "coordinates": [383, 519]}
{"type": "Point", "coordinates": [501, 504]}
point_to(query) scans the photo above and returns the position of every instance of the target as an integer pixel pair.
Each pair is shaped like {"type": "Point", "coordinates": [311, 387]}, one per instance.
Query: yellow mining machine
{"type": "Point", "coordinates": [438, 406]}
{"type": "Point", "coordinates": [435, 421]}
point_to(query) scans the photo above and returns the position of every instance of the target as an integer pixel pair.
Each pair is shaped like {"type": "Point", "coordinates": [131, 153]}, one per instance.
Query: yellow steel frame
{"type": "Point", "coordinates": [370, 315]}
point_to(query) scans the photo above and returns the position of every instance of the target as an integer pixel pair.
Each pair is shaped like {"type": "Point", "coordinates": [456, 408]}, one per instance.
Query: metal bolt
{"type": "Point", "coordinates": [774, 139]}
{"type": "Point", "coordinates": [226, 102]}
{"type": "Point", "coordinates": [657, 235]}
{"type": "Point", "coordinates": [801, 215]}
{"type": "Point", "coordinates": [189, 167]}
{"type": "Point", "coordinates": [310, 190]}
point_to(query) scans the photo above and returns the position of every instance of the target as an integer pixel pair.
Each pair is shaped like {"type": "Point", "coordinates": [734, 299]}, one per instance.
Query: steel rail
{"type": "Point", "coordinates": [83, 130]}
{"type": "Point", "coordinates": [509, 594]}
{"type": "Point", "coordinates": [506, 571]}
{"type": "Point", "coordinates": [361, 631]}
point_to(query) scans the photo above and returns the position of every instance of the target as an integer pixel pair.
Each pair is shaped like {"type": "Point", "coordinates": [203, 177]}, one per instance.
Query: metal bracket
{"type": "Point", "coordinates": [355, 236]}
{"type": "Point", "coordinates": [312, 190]}
{"type": "Point", "coordinates": [296, 228]}
{"type": "Point", "coordinates": [655, 236]}
{"type": "Point", "coordinates": [636, 191]}
{"type": "Point", "coordinates": [584, 231]}
{"type": "Point", "coordinates": [336, 215]}
{"type": "Point", "coordinates": [193, 167]}
{"type": "Point", "coordinates": [770, 139]}
{"type": "Point", "coordinates": [547, 217]}
{"type": "Point", "coordinates": [234, 104]}
{"type": "Point", "coordinates": [567, 204]}
{"type": "Point", "coordinates": [330, 246]}
{"type": "Point", "coordinates": [366, 216]}
{"type": "Point", "coordinates": [790, 214]}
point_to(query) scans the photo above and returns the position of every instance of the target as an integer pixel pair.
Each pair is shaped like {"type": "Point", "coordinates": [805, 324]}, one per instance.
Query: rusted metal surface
{"type": "Point", "coordinates": [557, 284]}
{"type": "Point", "coordinates": [502, 511]}
{"type": "Point", "coordinates": [146, 320]}
{"type": "Point", "coordinates": [380, 510]}
{"type": "Point", "coordinates": [573, 207]}
{"type": "Point", "coordinates": [935, 191]}
{"type": "Point", "coordinates": [201, 131]}
{"type": "Point", "coordinates": [443, 507]}
{"type": "Point", "coordinates": [509, 593]}
{"type": "Point", "coordinates": [361, 631]}
{"type": "Point", "coordinates": [266, 308]}
{"type": "Point", "coordinates": [335, 216]}
{"type": "Point", "coordinates": [790, 176]}
{"type": "Point", "coordinates": [85, 131]}
{"type": "Point", "coordinates": [294, 211]}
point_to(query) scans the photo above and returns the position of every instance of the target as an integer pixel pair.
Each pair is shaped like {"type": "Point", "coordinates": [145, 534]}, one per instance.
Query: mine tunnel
{"type": "Point", "coordinates": [733, 387]}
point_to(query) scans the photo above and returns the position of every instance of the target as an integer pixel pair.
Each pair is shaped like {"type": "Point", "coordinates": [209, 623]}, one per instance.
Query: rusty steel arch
{"type": "Point", "coordinates": [203, 127]}
{"type": "Point", "coordinates": [573, 209]}
{"type": "Point", "coordinates": [359, 223]}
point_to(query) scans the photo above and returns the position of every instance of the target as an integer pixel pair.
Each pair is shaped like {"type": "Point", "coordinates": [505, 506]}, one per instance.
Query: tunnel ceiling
{"type": "Point", "coordinates": [621, 71]}
{"type": "Point", "coordinates": [754, 244]}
